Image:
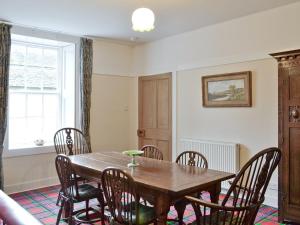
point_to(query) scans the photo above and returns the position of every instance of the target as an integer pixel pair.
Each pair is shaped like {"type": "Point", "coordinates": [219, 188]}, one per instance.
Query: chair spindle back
{"type": "Point", "coordinates": [250, 184]}
{"type": "Point", "coordinates": [248, 190]}
{"type": "Point", "coordinates": [120, 192]}
{"type": "Point", "coordinates": [66, 175]}
{"type": "Point", "coordinates": [192, 158]}
{"type": "Point", "coordinates": [212, 214]}
{"type": "Point", "coordinates": [150, 151]}
{"type": "Point", "coordinates": [70, 141]}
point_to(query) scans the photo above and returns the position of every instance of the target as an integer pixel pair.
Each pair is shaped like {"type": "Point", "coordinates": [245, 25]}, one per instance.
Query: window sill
{"type": "Point", "coordinates": [28, 151]}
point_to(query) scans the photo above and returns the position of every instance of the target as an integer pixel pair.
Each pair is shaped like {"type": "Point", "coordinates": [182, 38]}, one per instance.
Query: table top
{"type": "Point", "coordinates": [158, 175]}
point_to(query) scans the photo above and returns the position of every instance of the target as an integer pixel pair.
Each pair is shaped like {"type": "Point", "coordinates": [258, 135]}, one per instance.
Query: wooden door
{"type": "Point", "coordinates": [155, 112]}
{"type": "Point", "coordinates": [289, 134]}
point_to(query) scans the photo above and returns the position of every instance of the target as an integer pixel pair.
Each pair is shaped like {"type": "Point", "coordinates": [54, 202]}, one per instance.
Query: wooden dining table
{"type": "Point", "coordinates": [160, 182]}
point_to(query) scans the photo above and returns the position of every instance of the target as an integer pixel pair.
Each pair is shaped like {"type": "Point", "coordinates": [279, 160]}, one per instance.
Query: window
{"type": "Point", "coordinates": [41, 91]}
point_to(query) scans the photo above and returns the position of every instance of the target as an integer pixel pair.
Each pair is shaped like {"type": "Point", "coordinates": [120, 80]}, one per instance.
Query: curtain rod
{"type": "Point", "coordinates": [41, 29]}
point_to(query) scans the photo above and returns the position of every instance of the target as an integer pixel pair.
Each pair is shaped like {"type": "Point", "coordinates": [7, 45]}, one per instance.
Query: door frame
{"type": "Point", "coordinates": [174, 116]}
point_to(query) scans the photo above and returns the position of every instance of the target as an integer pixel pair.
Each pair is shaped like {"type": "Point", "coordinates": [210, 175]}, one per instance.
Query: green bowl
{"type": "Point", "coordinates": [133, 152]}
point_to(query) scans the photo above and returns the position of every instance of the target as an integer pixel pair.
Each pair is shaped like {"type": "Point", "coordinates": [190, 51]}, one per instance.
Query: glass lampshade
{"type": "Point", "coordinates": [143, 20]}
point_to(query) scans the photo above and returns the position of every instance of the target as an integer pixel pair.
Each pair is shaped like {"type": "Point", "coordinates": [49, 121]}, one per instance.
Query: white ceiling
{"type": "Point", "coordinates": [112, 18]}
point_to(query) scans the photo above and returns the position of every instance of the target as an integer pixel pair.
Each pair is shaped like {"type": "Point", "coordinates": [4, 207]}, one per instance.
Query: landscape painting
{"type": "Point", "coordinates": [227, 90]}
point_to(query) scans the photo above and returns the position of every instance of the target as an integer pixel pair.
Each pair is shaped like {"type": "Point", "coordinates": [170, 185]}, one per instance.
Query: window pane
{"type": "Point", "coordinates": [51, 105]}
{"type": "Point", "coordinates": [34, 56]}
{"type": "Point", "coordinates": [34, 130]}
{"type": "Point", "coordinates": [50, 58]}
{"type": "Point", "coordinates": [16, 77]}
{"type": "Point", "coordinates": [18, 53]}
{"type": "Point", "coordinates": [50, 127]}
{"type": "Point", "coordinates": [50, 79]}
{"type": "Point", "coordinates": [17, 105]}
{"type": "Point", "coordinates": [17, 133]}
{"type": "Point", "coordinates": [35, 105]}
{"type": "Point", "coordinates": [34, 78]}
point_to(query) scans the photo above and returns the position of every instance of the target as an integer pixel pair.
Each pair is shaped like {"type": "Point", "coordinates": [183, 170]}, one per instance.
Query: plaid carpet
{"type": "Point", "coordinates": [42, 204]}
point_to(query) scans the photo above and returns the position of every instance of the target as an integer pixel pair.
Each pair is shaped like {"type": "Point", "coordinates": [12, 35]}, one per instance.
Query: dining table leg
{"type": "Point", "coordinates": [162, 207]}
{"type": "Point", "coordinates": [215, 192]}
{"type": "Point", "coordinates": [180, 208]}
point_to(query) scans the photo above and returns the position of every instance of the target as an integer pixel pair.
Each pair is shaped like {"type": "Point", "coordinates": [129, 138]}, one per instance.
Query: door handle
{"type": "Point", "coordinates": [295, 113]}
{"type": "Point", "coordinates": [141, 133]}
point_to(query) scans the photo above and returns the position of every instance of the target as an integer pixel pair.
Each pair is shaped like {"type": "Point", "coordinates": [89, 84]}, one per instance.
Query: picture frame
{"type": "Point", "coordinates": [227, 90]}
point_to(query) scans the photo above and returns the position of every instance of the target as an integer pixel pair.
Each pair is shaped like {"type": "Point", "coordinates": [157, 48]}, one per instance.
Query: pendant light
{"type": "Point", "coordinates": [143, 20]}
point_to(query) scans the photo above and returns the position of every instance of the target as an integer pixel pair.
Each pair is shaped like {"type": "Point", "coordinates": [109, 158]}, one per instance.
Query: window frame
{"type": "Point", "coordinates": [35, 150]}
{"type": "Point", "coordinates": [26, 92]}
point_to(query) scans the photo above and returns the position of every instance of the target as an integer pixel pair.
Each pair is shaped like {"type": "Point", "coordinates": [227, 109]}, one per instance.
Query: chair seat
{"type": "Point", "coordinates": [146, 214]}
{"type": "Point", "coordinates": [86, 192]}
{"type": "Point", "coordinates": [218, 219]}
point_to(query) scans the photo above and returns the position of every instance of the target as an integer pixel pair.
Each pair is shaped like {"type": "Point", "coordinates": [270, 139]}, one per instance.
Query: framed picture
{"type": "Point", "coordinates": [227, 90]}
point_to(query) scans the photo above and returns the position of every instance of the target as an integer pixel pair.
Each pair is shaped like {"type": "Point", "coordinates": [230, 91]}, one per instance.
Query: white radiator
{"type": "Point", "coordinates": [222, 156]}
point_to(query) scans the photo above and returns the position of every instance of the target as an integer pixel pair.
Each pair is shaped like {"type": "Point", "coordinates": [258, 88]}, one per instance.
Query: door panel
{"type": "Point", "coordinates": [295, 86]}
{"type": "Point", "coordinates": [294, 162]}
{"type": "Point", "coordinates": [162, 107]}
{"type": "Point", "coordinates": [164, 147]}
{"type": "Point", "coordinates": [155, 112]}
{"type": "Point", "coordinates": [146, 141]}
{"type": "Point", "coordinates": [149, 109]}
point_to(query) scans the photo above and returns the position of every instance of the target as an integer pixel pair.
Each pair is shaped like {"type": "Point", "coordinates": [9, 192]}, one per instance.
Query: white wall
{"type": "Point", "coordinates": [113, 113]}
{"type": "Point", "coordinates": [248, 38]}
{"type": "Point", "coordinates": [29, 172]}
{"type": "Point", "coordinates": [114, 97]}
{"type": "Point", "coordinates": [111, 58]}
{"type": "Point", "coordinates": [255, 128]}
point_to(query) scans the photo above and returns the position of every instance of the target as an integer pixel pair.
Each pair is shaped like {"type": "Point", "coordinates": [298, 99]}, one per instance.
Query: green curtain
{"type": "Point", "coordinates": [5, 44]}
{"type": "Point", "coordinates": [86, 70]}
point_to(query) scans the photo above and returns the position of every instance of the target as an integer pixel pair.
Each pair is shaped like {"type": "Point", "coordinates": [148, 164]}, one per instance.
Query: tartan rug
{"type": "Point", "coordinates": [41, 203]}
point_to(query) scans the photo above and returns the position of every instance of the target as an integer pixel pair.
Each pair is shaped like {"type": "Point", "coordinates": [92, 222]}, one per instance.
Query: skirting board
{"type": "Point", "coordinates": [31, 185]}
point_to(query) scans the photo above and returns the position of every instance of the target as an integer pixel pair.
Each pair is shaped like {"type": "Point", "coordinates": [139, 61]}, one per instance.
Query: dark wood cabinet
{"type": "Point", "coordinates": [289, 134]}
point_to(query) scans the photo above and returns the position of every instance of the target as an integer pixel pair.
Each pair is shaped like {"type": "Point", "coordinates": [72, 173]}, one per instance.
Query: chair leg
{"type": "Point", "coordinates": [87, 209]}
{"type": "Point", "coordinates": [102, 205]}
{"type": "Point", "coordinates": [199, 195]}
{"type": "Point", "coordinates": [102, 214]}
{"type": "Point", "coordinates": [58, 198]}
{"type": "Point", "coordinates": [59, 212]}
{"type": "Point", "coordinates": [180, 208]}
{"type": "Point", "coordinates": [70, 219]}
